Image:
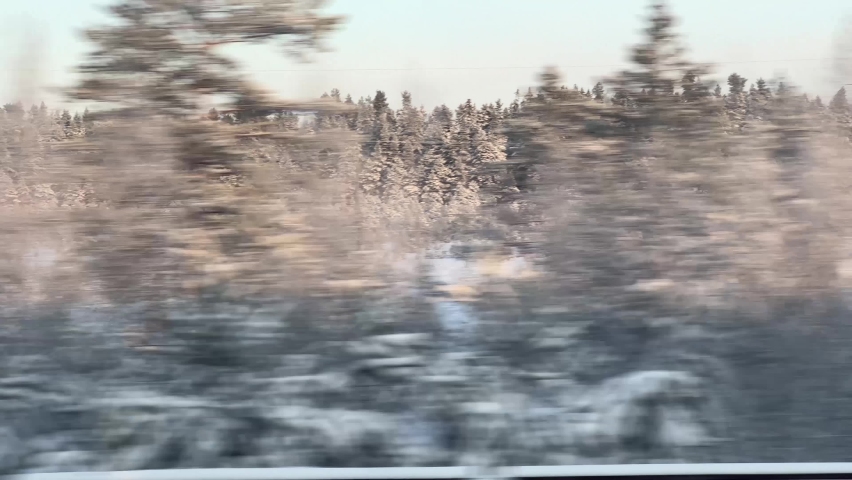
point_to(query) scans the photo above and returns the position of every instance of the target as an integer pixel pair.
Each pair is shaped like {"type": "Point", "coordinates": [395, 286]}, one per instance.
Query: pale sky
{"type": "Point", "coordinates": [445, 51]}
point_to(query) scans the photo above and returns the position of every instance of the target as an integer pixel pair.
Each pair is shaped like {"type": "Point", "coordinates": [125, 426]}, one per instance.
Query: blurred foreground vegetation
{"type": "Point", "coordinates": [647, 270]}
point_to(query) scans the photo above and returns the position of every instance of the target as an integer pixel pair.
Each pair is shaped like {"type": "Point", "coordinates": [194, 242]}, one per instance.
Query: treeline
{"type": "Point", "coordinates": [448, 153]}
{"type": "Point", "coordinates": [456, 153]}
{"type": "Point", "coordinates": [42, 116]}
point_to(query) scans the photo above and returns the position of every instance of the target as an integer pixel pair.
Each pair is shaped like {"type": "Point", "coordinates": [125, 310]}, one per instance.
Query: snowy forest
{"type": "Point", "coordinates": [196, 273]}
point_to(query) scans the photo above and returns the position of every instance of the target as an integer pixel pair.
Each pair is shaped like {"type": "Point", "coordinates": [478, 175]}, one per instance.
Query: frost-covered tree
{"type": "Point", "coordinates": [763, 89]}
{"type": "Point", "coordinates": [839, 105]}
{"type": "Point", "coordinates": [693, 89]}
{"type": "Point", "coordinates": [14, 109]}
{"type": "Point", "coordinates": [65, 119]}
{"type": "Point", "coordinates": [382, 169]}
{"type": "Point", "coordinates": [598, 91]}
{"type": "Point", "coordinates": [463, 154]}
{"type": "Point", "coordinates": [736, 102]}
{"type": "Point", "coordinates": [489, 146]}
{"type": "Point", "coordinates": [759, 97]}
{"type": "Point", "coordinates": [410, 124]}
{"type": "Point", "coordinates": [380, 102]}
{"type": "Point", "coordinates": [438, 179]}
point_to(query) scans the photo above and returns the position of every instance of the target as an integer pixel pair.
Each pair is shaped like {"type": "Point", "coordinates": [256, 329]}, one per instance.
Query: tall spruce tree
{"type": "Point", "coordinates": [65, 119]}
{"type": "Point", "coordinates": [378, 174]}
{"type": "Point", "coordinates": [763, 89]}
{"type": "Point", "coordinates": [693, 89]}
{"type": "Point", "coordinates": [839, 105]}
{"type": "Point", "coordinates": [411, 124]}
{"type": "Point", "coordinates": [736, 102]}
{"type": "Point", "coordinates": [598, 92]}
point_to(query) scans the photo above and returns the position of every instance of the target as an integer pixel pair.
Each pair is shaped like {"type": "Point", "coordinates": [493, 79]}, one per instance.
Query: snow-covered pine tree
{"type": "Point", "coordinates": [411, 125]}
{"type": "Point", "coordinates": [839, 105]}
{"type": "Point", "coordinates": [763, 89]}
{"type": "Point", "coordinates": [438, 179]}
{"type": "Point", "coordinates": [736, 102]}
{"type": "Point", "coordinates": [693, 89]}
{"type": "Point", "coordinates": [332, 120]}
{"type": "Point", "coordinates": [379, 174]}
{"type": "Point", "coordinates": [598, 92]}
{"type": "Point", "coordinates": [365, 117]}
{"type": "Point", "coordinates": [33, 113]}
{"type": "Point", "coordinates": [489, 146]}
{"type": "Point", "coordinates": [66, 120]}
{"type": "Point", "coordinates": [464, 161]}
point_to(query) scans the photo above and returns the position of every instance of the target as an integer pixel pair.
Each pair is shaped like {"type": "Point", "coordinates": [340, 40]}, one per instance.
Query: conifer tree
{"type": "Point", "coordinates": [693, 89]}
{"type": "Point", "coordinates": [14, 110]}
{"type": "Point", "coordinates": [598, 92]}
{"type": "Point", "coordinates": [65, 119]}
{"type": "Point", "coordinates": [463, 155]}
{"type": "Point", "coordinates": [365, 118]}
{"type": "Point", "coordinates": [380, 102]}
{"type": "Point", "coordinates": [736, 84]}
{"type": "Point", "coordinates": [758, 99]}
{"type": "Point", "coordinates": [736, 102]}
{"type": "Point", "coordinates": [410, 131]}
{"type": "Point", "coordinates": [381, 154]}
{"type": "Point", "coordinates": [621, 98]}
{"type": "Point", "coordinates": [839, 105]}
{"type": "Point", "coordinates": [438, 177]}
{"type": "Point", "coordinates": [763, 89]}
